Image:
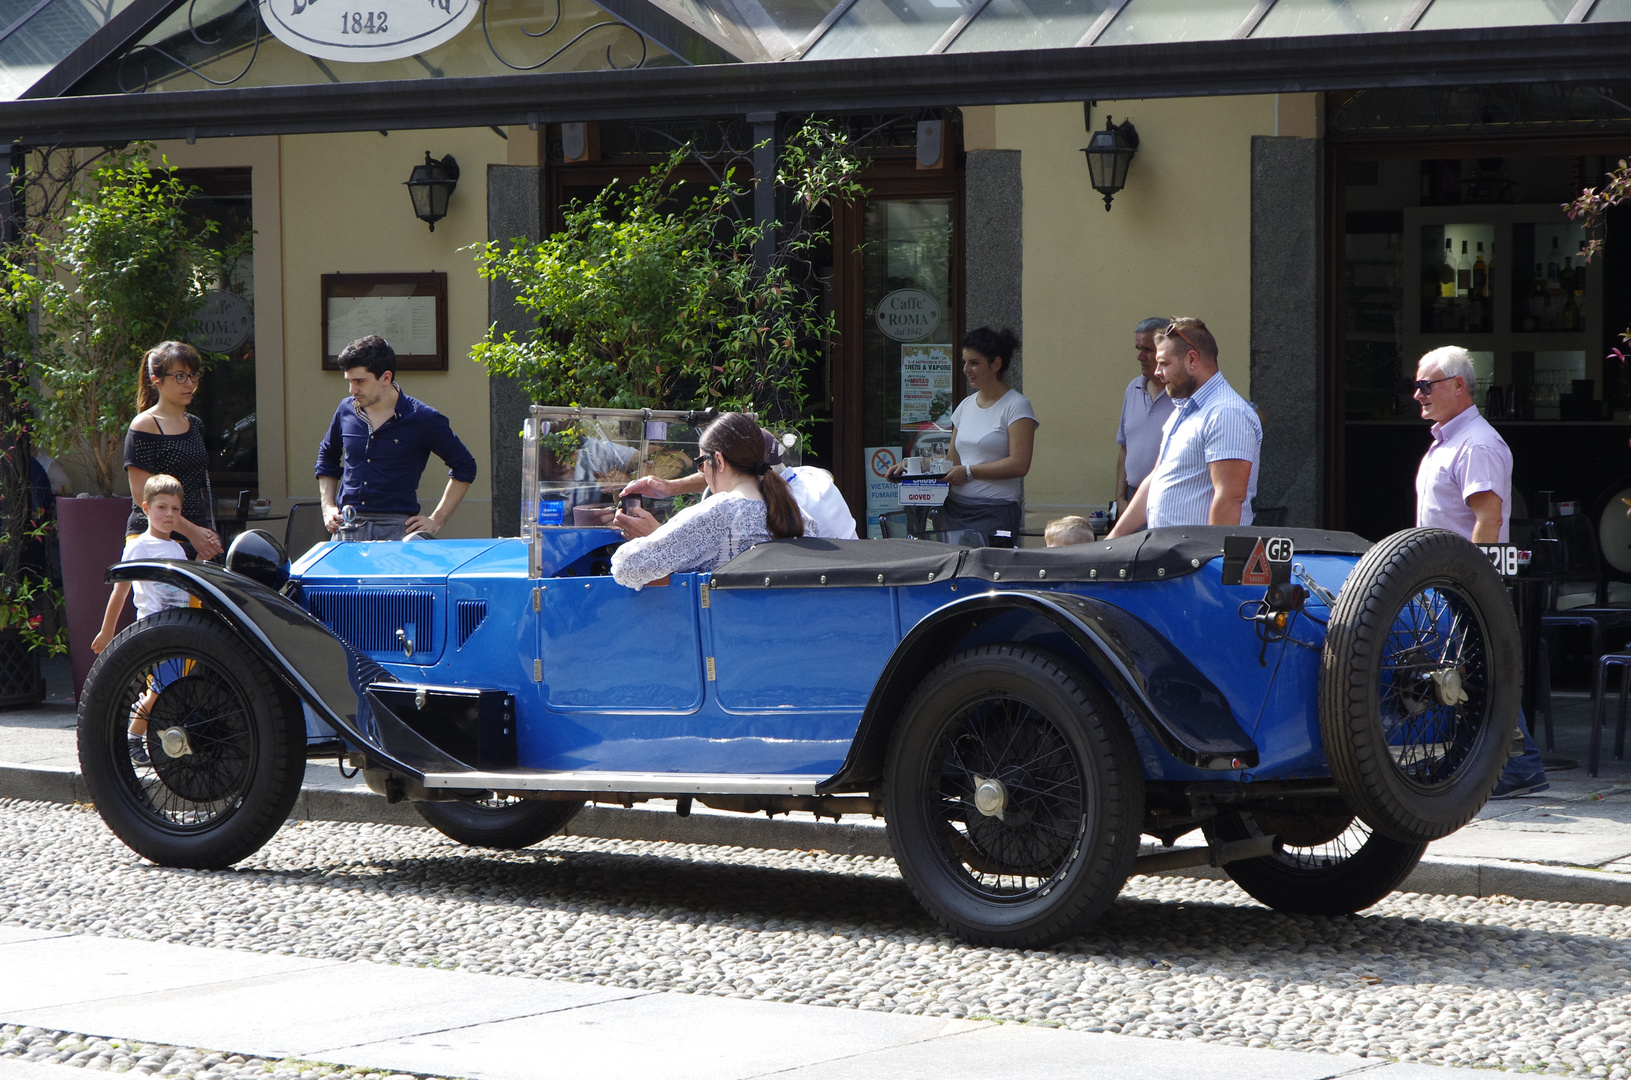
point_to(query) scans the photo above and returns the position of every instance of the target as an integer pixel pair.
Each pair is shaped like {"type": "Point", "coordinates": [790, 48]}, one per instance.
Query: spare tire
{"type": "Point", "coordinates": [1420, 684]}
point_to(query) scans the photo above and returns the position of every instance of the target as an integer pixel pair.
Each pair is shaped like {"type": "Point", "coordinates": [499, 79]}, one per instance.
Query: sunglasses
{"type": "Point", "coordinates": [1425, 386]}
{"type": "Point", "coordinates": [1172, 328]}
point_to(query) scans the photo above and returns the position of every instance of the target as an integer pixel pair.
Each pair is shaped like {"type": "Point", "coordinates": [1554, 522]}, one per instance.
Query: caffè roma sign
{"type": "Point", "coordinates": [361, 31]}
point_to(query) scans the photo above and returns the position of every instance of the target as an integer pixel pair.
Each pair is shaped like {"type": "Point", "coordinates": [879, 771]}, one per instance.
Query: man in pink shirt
{"type": "Point", "coordinates": [1464, 485]}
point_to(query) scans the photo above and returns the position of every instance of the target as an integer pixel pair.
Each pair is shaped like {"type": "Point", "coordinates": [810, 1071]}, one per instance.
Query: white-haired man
{"type": "Point", "coordinates": [1464, 485]}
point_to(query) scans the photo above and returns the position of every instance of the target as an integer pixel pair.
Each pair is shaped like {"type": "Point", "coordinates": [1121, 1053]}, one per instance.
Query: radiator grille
{"type": "Point", "coordinates": [470, 614]}
{"type": "Point", "coordinates": [368, 620]}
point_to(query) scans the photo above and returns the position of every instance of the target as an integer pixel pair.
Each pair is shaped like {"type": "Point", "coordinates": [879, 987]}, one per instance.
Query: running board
{"type": "Point", "coordinates": [593, 781]}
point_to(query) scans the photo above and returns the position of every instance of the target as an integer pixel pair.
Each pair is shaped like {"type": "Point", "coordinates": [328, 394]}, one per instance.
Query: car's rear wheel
{"type": "Point", "coordinates": [224, 753]}
{"type": "Point", "coordinates": [506, 824]}
{"type": "Point", "coordinates": [1013, 794]}
{"type": "Point", "coordinates": [1419, 684]}
{"type": "Point", "coordinates": [1330, 866]}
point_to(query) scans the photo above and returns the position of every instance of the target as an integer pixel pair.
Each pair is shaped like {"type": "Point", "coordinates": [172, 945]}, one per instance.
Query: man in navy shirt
{"type": "Point", "coordinates": [376, 449]}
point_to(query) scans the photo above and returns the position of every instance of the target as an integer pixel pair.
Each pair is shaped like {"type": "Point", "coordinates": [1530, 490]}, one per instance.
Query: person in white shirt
{"type": "Point", "coordinates": [813, 489]}
{"type": "Point", "coordinates": [749, 504]}
{"type": "Point", "coordinates": [993, 434]}
{"type": "Point", "coordinates": [161, 502]}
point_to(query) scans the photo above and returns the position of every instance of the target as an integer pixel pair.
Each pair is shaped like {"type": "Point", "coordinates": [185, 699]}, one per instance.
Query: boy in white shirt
{"type": "Point", "coordinates": [161, 502]}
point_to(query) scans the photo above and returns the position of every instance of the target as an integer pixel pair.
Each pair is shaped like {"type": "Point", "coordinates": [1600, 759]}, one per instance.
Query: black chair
{"type": "Point", "coordinates": [1581, 597]}
{"type": "Point", "coordinates": [1273, 516]}
{"type": "Point", "coordinates": [305, 529]}
{"type": "Point", "coordinates": [919, 524]}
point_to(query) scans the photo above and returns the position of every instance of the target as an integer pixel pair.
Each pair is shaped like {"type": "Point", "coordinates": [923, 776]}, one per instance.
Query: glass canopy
{"type": "Point", "coordinates": [37, 35]}
{"type": "Point", "coordinates": [223, 42]}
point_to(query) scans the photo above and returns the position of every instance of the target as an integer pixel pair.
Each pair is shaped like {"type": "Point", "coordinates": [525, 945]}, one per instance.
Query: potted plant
{"type": "Point", "coordinates": [119, 266]}
{"type": "Point", "coordinates": [644, 304]}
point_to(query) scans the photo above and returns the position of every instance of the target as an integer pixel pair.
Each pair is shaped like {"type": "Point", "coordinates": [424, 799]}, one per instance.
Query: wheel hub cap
{"type": "Point", "coordinates": [174, 742]}
{"type": "Point", "coordinates": [990, 797]}
{"type": "Point", "coordinates": [1448, 686]}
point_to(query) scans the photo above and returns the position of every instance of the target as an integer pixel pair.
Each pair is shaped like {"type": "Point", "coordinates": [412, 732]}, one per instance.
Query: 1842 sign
{"type": "Point", "coordinates": [908, 314]}
{"type": "Point", "coordinates": [360, 31]}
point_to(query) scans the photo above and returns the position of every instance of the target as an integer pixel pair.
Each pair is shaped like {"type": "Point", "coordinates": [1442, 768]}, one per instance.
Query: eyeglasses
{"type": "Point", "coordinates": [183, 378]}
{"type": "Point", "coordinates": [1425, 386]}
{"type": "Point", "coordinates": [1172, 328]}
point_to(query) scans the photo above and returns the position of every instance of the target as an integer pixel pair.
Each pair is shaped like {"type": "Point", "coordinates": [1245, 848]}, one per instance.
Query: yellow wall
{"type": "Point", "coordinates": [1177, 241]}
{"type": "Point", "coordinates": [336, 204]}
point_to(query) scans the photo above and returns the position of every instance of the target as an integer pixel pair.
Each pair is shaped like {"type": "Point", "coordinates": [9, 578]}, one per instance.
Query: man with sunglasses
{"type": "Point", "coordinates": [1464, 484]}
{"type": "Point", "coordinates": [1206, 470]}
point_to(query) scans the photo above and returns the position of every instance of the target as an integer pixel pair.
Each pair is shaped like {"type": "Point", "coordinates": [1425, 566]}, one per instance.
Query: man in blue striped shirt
{"type": "Point", "coordinates": [1206, 473]}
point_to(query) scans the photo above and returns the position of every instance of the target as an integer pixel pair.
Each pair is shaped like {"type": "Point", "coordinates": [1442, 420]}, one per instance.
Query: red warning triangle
{"type": "Point", "coordinates": [1256, 571]}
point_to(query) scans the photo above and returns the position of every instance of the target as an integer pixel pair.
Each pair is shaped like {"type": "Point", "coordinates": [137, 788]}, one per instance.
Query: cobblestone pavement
{"type": "Point", "coordinates": [1443, 980]}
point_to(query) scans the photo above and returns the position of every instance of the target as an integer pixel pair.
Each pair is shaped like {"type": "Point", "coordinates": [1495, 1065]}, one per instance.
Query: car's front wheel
{"type": "Point", "coordinates": [505, 824]}
{"type": "Point", "coordinates": [1333, 865]}
{"type": "Point", "coordinates": [220, 765]}
{"type": "Point", "coordinates": [1013, 797]}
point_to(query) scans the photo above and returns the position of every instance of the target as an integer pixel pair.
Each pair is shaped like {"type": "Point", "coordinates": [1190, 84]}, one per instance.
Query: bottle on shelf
{"type": "Point", "coordinates": [1580, 271]}
{"type": "Point", "coordinates": [1537, 300]}
{"type": "Point", "coordinates": [1463, 273]}
{"type": "Point", "coordinates": [1480, 274]}
{"type": "Point", "coordinates": [1553, 271]}
{"type": "Point", "coordinates": [1565, 277]}
{"type": "Point", "coordinates": [1446, 272]}
{"type": "Point", "coordinates": [1570, 318]}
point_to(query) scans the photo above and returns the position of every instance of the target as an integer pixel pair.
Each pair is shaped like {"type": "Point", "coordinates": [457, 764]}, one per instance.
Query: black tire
{"type": "Point", "coordinates": [227, 750]}
{"type": "Point", "coordinates": [1346, 868]}
{"type": "Point", "coordinates": [1067, 782]}
{"type": "Point", "coordinates": [505, 824]}
{"type": "Point", "coordinates": [1422, 615]}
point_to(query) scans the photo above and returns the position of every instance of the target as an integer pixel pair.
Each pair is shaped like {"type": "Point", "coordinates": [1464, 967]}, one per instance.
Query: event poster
{"type": "Point", "coordinates": [882, 497]}
{"type": "Point", "coordinates": [925, 386]}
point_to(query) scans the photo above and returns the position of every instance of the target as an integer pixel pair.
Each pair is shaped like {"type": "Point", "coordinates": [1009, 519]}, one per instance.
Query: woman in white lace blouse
{"type": "Point", "coordinates": [749, 504]}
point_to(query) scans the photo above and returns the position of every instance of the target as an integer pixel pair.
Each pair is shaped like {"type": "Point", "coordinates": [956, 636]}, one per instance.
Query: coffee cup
{"type": "Point", "coordinates": [914, 466]}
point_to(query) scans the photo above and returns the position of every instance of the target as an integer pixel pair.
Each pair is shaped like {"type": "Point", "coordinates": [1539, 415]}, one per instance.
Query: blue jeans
{"type": "Point", "coordinates": [1528, 763]}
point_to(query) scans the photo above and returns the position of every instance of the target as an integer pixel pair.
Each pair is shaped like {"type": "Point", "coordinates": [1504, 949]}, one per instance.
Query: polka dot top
{"type": "Point", "coordinates": [182, 456]}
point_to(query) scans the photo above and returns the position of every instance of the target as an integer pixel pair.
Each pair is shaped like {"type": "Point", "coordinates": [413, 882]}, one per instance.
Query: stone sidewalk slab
{"type": "Point", "coordinates": [312, 1013]}
{"type": "Point", "coordinates": [490, 1027]}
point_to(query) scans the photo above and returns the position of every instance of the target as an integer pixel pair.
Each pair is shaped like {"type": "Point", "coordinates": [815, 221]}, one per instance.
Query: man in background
{"type": "Point", "coordinates": [1206, 470]}
{"type": "Point", "coordinates": [1464, 484]}
{"type": "Point", "coordinates": [1145, 406]}
{"type": "Point", "coordinates": [376, 447]}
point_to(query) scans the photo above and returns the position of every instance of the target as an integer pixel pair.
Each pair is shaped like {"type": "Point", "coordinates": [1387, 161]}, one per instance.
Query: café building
{"type": "Point", "coordinates": [1335, 186]}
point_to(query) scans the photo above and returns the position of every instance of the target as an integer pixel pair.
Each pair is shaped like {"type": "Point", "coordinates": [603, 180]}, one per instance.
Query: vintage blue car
{"type": "Point", "coordinates": [1320, 707]}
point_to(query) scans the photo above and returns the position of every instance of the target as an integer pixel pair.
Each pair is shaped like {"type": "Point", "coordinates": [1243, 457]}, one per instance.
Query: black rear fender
{"type": "Point", "coordinates": [1160, 690]}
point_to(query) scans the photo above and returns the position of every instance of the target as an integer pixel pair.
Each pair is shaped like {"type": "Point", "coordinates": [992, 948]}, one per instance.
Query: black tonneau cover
{"type": "Point", "coordinates": [1146, 556]}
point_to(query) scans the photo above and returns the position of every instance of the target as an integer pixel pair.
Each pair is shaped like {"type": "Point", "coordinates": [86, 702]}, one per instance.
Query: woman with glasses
{"type": "Point", "coordinates": [166, 438]}
{"type": "Point", "coordinates": [747, 504]}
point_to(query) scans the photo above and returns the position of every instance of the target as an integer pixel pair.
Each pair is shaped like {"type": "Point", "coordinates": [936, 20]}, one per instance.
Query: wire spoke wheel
{"type": "Point", "coordinates": [1419, 684]}
{"type": "Point", "coordinates": [1013, 796]}
{"type": "Point", "coordinates": [1004, 749]}
{"type": "Point", "coordinates": [1434, 685]}
{"type": "Point", "coordinates": [222, 755]}
{"type": "Point", "coordinates": [499, 821]}
{"type": "Point", "coordinates": [1337, 868]}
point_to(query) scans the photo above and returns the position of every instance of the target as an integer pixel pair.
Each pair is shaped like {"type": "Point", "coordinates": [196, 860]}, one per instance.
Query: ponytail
{"type": "Point", "coordinates": [782, 516]}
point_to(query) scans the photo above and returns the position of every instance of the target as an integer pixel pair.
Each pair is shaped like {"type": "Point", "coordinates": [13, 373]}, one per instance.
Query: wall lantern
{"type": "Point", "coordinates": [1109, 153]}
{"type": "Point", "coordinates": [431, 186]}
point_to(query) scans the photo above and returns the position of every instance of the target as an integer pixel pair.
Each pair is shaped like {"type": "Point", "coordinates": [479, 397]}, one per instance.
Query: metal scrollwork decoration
{"type": "Point", "coordinates": [613, 64]}
{"type": "Point", "coordinates": [192, 28]}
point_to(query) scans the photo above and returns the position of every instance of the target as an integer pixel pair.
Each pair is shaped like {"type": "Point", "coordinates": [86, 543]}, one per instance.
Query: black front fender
{"type": "Point", "coordinates": [319, 668]}
{"type": "Point", "coordinates": [1175, 702]}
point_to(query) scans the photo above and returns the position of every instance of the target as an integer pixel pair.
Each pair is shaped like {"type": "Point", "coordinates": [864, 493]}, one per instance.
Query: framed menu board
{"type": "Point", "coordinates": [407, 310]}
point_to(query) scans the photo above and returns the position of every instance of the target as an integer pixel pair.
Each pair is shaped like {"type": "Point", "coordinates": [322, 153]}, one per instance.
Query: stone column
{"type": "Point", "coordinates": [993, 245]}
{"type": "Point", "coordinates": [1288, 373]}
{"type": "Point", "coordinates": [515, 207]}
